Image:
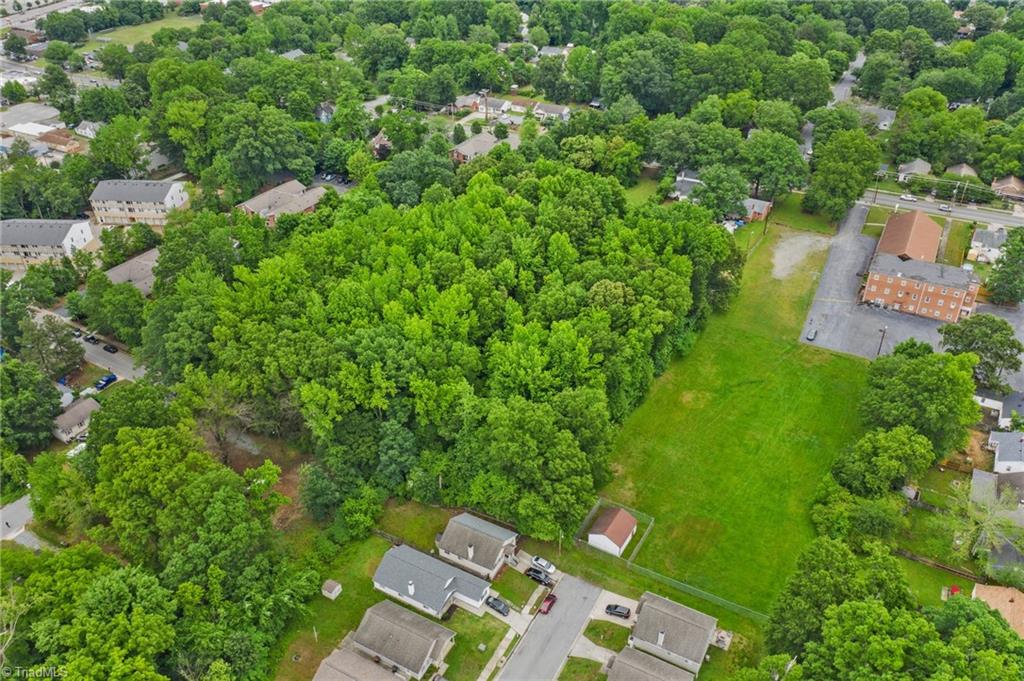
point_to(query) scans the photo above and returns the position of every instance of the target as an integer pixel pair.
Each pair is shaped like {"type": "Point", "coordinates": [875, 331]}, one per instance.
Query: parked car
{"type": "Point", "coordinates": [539, 576]}
{"type": "Point", "coordinates": [77, 333]}
{"type": "Point", "coordinates": [544, 565]}
{"type": "Point", "coordinates": [945, 208]}
{"type": "Point", "coordinates": [549, 602]}
{"type": "Point", "coordinates": [498, 605]}
{"type": "Point", "coordinates": [110, 348]}
{"type": "Point", "coordinates": [92, 340]}
{"type": "Point", "coordinates": [616, 610]}
{"type": "Point", "coordinates": [908, 197]}
{"type": "Point", "coordinates": [105, 381]}
{"type": "Point", "coordinates": [328, 177]}
{"type": "Point", "coordinates": [812, 334]}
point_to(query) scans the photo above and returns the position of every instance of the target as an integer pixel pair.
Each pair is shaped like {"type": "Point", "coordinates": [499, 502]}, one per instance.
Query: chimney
{"type": "Point", "coordinates": [661, 637]}
{"type": "Point", "coordinates": [469, 551]}
{"type": "Point", "coordinates": [412, 588]}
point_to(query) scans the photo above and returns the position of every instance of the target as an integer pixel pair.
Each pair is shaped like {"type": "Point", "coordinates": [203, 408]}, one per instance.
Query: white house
{"type": "Point", "coordinates": [612, 531]}
{"type": "Point", "coordinates": [24, 242]}
{"type": "Point", "coordinates": [75, 419]}
{"type": "Point", "coordinates": [125, 202]}
{"type": "Point", "coordinates": [426, 583]}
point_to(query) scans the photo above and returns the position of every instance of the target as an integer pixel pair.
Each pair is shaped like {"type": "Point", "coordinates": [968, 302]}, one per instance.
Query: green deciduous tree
{"type": "Point", "coordinates": [722, 190]}
{"type": "Point", "coordinates": [50, 344]}
{"type": "Point", "coordinates": [773, 163]}
{"type": "Point", "coordinates": [883, 460]}
{"type": "Point", "coordinates": [1006, 281]}
{"type": "Point", "coordinates": [28, 403]}
{"type": "Point", "coordinates": [992, 339]}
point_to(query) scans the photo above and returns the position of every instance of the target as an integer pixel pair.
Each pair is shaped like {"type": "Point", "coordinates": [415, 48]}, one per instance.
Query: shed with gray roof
{"type": "Point", "coordinates": [634, 665]}
{"type": "Point", "coordinates": [672, 632]}
{"type": "Point", "coordinates": [476, 544]}
{"type": "Point", "coordinates": [401, 639]}
{"type": "Point", "coordinates": [426, 583]}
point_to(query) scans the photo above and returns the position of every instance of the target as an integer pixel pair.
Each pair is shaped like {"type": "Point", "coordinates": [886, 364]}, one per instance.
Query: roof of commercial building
{"type": "Point", "coordinates": [137, 271]}
{"type": "Point", "coordinates": [25, 232]}
{"type": "Point", "coordinates": [687, 631]}
{"type": "Point", "coordinates": [635, 665]}
{"type": "Point", "coordinates": [616, 524]}
{"type": "Point", "coordinates": [1007, 600]}
{"type": "Point", "coordinates": [486, 538]}
{"type": "Point", "coordinates": [138, 191]}
{"type": "Point", "coordinates": [77, 411]}
{"type": "Point", "coordinates": [401, 636]}
{"type": "Point", "coordinates": [290, 197]}
{"type": "Point", "coordinates": [918, 270]}
{"type": "Point", "coordinates": [432, 579]}
{"type": "Point", "coordinates": [911, 235]}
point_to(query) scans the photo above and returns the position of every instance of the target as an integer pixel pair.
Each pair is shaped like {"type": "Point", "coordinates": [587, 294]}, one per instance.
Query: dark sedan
{"type": "Point", "coordinates": [497, 605]}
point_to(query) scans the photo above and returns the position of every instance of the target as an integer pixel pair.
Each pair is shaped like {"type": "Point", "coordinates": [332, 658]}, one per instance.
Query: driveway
{"type": "Point", "coordinates": [14, 517]}
{"type": "Point", "coordinates": [844, 86]}
{"type": "Point", "coordinates": [845, 326]}
{"type": "Point", "coordinates": [547, 643]}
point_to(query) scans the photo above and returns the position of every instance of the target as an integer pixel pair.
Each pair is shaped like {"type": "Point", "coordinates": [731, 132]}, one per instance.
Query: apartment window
{"type": "Point", "coordinates": [903, 282]}
{"type": "Point", "coordinates": [875, 277]}
{"type": "Point", "coordinates": [956, 294]}
{"type": "Point", "coordinates": [899, 294]}
{"type": "Point", "coordinates": [886, 291]}
{"type": "Point", "coordinates": [937, 313]}
{"type": "Point", "coordinates": [910, 308]}
{"type": "Point", "coordinates": [914, 297]}
{"type": "Point", "coordinates": [952, 306]}
{"type": "Point", "coordinates": [930, 289]}
{"type": "Point", "coordinates": [924, 310]}
{"type": "Point", "coordinates": [927, 299]}
{"type": "Point", "coordinates": [873, 287]}
{"type": "Point", "coordinates": [943, 291]}
{"type": "Point", "coordinates": [967, 300]}
{"type": "Point", "coordinates": [917, 285]}
{"type": "Point", "coordinates": [888, 280]}
{"type": "Point", "coordinates": [941, 302]}
{"type": "Point", "coordinates": [949, 316]}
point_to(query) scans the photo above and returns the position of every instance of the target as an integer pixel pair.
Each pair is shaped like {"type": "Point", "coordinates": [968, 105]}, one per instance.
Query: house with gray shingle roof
{"type": "Point", "coordinates": [634, 665]}
{"type": "Point", "coordinates": [401, 639]}
{"type": "Point", "coordinates": [1009, 451]}
{"type": "Point", "coordinates": [916, 167]}
{"type": "Point", "coordinates": [476, 545]}
{"type": "Point", "coordinates": [480, 145]}
{"type": "Point", "coordinates": [293, 54]}
{"type": "Point", "coordinates": [74, 420]}
{"type": "Point", "coordinates": [426, 583]}
{"type": "Point", "coordinates": [987, 244]}
{"type": "Point", "coordinates": [672, 632]}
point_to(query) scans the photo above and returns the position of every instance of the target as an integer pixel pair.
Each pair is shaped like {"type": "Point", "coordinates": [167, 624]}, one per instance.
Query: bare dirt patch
{"type": "Point", "coordinates": [792, 249]}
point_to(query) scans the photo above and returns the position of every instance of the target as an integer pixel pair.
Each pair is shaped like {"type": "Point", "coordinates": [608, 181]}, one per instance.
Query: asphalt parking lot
{"type": "Point", "coordinates": [546, 645]}
{"type": "Point", "coordinates": [844, 325]}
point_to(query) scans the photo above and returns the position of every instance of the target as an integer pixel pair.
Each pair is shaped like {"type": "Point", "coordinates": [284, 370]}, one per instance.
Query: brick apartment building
{"type": "Point", "coordinates": [904, 276]}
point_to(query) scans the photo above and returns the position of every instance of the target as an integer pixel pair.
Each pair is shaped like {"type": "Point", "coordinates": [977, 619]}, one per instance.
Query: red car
{"type": "Point", "coordinates": [549, 602]}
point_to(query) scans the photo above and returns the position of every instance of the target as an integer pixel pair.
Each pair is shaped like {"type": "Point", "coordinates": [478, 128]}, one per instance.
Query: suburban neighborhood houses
{"type": "Point", "coordinates": [560, 340]}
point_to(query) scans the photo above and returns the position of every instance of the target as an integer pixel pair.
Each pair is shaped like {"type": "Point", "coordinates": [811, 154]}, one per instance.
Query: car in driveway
{"type": "Point", "coordinates": [91, 339]}
{"type": "Point", "coordinates": [811, 334]}
{"type": "Point", "coordinates": [616, 610]}
{"type": "Point", "coordinates": [549, 602]}
{"type": "Point", "coordinates": [110, 348]}
{"type": "Point", "coordinates": [497, 605]}
{"type": "Point", "coordinates": [543, 564]}
{"type": "Point", "coordinates": [77, 333]}
{"type": "Point", "coordinates": [104, 381]}
{"type": "Point", "coordinates": [908, 197]}
{"type": "Point", "coordinates": [539, 576]}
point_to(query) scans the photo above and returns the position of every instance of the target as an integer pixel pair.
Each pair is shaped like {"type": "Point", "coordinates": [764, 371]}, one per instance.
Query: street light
{"type": "Point", "coordinates": [882, 340]}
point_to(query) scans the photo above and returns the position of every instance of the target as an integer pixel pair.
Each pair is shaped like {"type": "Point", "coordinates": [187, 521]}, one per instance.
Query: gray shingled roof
{"type": "Point", "coordinates": [142, 191]}
{"type": "Point", "coordinates": [434, 580]}
{"type": "Point", "coordinates": [290, 197]}
{"type": "Point", "coordinates": [293, 54]}
{"type": "Point", "coordinates": [916, 167]}
{"type": "Point", "coordinates": [76, 412]}
{"type": "Point", "coordinates": [1010, 447]}
{"type": "Point", "coordinates": [487, 539]}
{"type": "Point", "coordinates": [635, 665]}
{"type": "Point", "coordinates": [35, 232]}
{"type": "Point", "coordinates": [989, 238]}
{"type": "Point", "coordinates": [401, 636]}
{"type": "Point", "coordinates": [137, 271]}
{"type": "Point", "coordinates": [686, 630]}
{"type": "Point", "coordinates": [551, 109]}
{"type": "Point", "coordinates": [919, 270]}
{"type": "Point", "coordinates": [480, 144]}
{"type": "Point", "coordinates": [1013, 402]}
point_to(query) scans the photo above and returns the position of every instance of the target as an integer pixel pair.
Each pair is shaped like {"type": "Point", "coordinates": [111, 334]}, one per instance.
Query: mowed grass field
{"type": "Point", "coordinates": [728, 448]}
{"type": "Point", "coordinates": [129, 35]}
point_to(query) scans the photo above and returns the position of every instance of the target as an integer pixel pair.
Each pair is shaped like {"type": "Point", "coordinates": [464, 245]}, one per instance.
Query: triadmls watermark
{"type": "Point", "coordinates": [8, 672]}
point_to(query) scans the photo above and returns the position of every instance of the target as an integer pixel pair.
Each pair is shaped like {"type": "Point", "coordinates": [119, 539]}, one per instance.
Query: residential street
{"type": "Point", "coordinates": [15, 516]}
{"type": "Point", "coordinates": [544, 648]}
{"type": "Point", "coordinates": [957, 212]}
{"type": "Point", "coordinates": [83, 79]}
{"type": "Point", "coordinates": [121, 363]}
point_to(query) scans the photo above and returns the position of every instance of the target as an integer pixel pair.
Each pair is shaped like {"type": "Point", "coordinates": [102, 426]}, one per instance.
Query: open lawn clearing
{"type": "Point", "coordinates": [129, 35]}
{"type": "Point", "coordinates": [787, 211]}
{"type": "Point", "coordinates": [465, 661]}
{"type": "Point", "coordinates": [731, 442]}
{"type": "Point", "coordinates": [515, 587]}
{"type": "Point", "coordinates": [644, 189]}
{"type": "Point", "coordinates": [926, 582]}
{"type": "Point", "coordinates": [579, 669]}
{"type": "Point", "coordinates": [937, 486]}
{"type": "Point", "coordinates": [353, 568]}
{"type": "Point", "coordinates": [957, 242]}
{"type": "Point", "coordinates": [416, 524]}
{"type": "Point", "coordinates": [607, 634]}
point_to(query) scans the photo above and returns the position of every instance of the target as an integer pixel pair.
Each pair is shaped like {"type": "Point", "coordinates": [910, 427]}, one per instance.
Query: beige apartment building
{"type": "Point", "coordinates": [125, 202]}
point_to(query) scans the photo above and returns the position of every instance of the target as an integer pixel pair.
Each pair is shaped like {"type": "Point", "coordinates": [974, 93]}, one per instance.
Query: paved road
{"type": "Point", "coordinates": [843, 88]}
{"type": "Point", "coordinates": [546, 645]}
{"type": "Point", "coordinates": [957, 211]}
{"type": "Point", "coordinates": [13, 519]}
{"type": "Point", "coordinates": [26, 17]}
{"type": "Point", "coordinates": [845, 326]}
{"type": "Point", "coordinates": [122, 363]}
{"type": "Point", "coordinates": [83, 79]}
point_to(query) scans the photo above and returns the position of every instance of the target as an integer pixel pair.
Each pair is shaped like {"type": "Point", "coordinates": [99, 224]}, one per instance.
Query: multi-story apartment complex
{"type": "Point", "coordinates": [125, 202]}
{"type": "Point", "coordinates": [24, 242]}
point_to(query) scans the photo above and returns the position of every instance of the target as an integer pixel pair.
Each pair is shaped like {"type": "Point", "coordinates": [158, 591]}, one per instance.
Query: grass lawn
{"type": "Point", "coordinates": [416, 524]}
{"type": "Point", "coordinates": [732, 441]}
{"type": "Point", "coordinates": [579, 669]}
{"type": "Point", "coordinates": [957, 243]}
{"type": "Point", "coordinates": [86, 376]}
{"type": "Point", "coordinates": [129, 35]}
{"type": "Point", "coordinates": [515, 587]}
{"type": "Point", "coordinates": [937, 486]}
{"type": "Point", "coordinates": [878, 214]}
{"type": "Point", "coordinates": [929, 536]}
{"type": "Point", "coordinates": [465, 662]}
{"type": "Point", "coordinates": [927, 582]}
{"type": "Point", "coordinates": [644, 189]}
{"type": "Point", "coordinates": [607, 634]}
{"type": "Point", "coordinates": [354, 568]}
{"type": "Point", "coordinates": [872, 230]}
{"type": "Point", "coordinates": [787, 211]}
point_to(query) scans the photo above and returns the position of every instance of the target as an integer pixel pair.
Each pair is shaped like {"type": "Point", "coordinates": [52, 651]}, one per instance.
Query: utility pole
{"type": "Point", "coordinates": [883, 330]}
{"type": "Point", "coordinates": [484, 93]}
